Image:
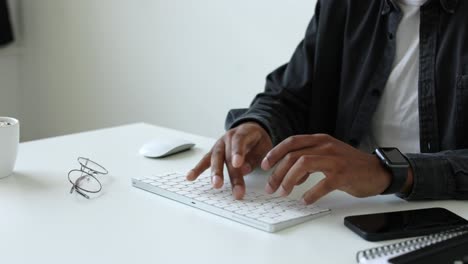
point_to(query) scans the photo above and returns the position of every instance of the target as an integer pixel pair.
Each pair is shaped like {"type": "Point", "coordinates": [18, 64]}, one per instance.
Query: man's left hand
{"type": "Point", "coordinates": [346, 168]}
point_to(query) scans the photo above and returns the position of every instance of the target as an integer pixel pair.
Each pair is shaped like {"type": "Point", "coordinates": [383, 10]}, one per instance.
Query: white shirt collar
{"type": "Point", "coordinates": [412, 2]}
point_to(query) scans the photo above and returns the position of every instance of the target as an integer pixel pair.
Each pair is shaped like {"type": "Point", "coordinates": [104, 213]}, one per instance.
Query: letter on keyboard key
{"type": "Point", "coordinates": [170, 175]}
{"type": "Point", "coordinates": [276, 210]}
{"type": "Point", "coordinates": [186, 183]}
{"type": "Point", "coordinates": [260, 211]}
{"type": "Point", "coordinates": [205, 188]}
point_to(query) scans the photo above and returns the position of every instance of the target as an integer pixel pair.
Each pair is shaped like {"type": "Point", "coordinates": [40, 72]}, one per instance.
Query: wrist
{"type": "Point", "coordinates": [408, 183]}
{"type": "Point", "coordinates": [384, 178]}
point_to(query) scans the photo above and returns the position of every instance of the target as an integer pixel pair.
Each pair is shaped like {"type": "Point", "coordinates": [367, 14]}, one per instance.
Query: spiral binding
{"type": "Point", "coordinates": [403, 247]}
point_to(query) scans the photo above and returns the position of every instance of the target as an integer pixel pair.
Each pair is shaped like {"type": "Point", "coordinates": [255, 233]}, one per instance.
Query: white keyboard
{"type": "Point", "coordinates": [262, 211]}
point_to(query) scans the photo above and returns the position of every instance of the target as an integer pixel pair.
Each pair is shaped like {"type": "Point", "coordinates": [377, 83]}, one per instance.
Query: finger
{"type": "Point", "coordinates": [217, 164]}
{"type": "Point", "coordinates": [236, 177]}
{"type": "Point", "coordinates": [291, 144]}
{"type": "Point", "coordinates": [305, 165]}
{"type": "Point", "coordinates": [321, 189]}
{"type": "Point", "coordinates": [202, 165]}
{"type": "Point", "coordinates": [246, 168]}
{"type": "Point", "coordinates": [241, 144]}
{"type": "Point", "coordinates": [251, 161]}
{"type": "Point", "coordinates": [277, 176]}
{"type": "Point", "coordinates": [237, 182]}
{"type": "Point", "coordinates": [303, 179]}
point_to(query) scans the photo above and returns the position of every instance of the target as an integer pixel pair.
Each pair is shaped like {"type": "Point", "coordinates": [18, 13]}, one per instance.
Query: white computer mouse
{"type": "Point", "coordinates": [160, 148]}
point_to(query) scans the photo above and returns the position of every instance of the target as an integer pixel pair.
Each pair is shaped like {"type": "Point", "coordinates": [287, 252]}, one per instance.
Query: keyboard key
{"type": "Point", "coordinates": [211, 201]}
{"type": "Point", "coordinates": [251, 215]}
{"type": "Point", "coordinates": [182, 192]}
{"type": "Point", "coordinates": [242, 212]}
{"type": "Point", "coordinates": [201, 198]}
{"type": "Point", "coordinates": [231, 208]}
{"type": "Point", "coordinates": [191, 195]}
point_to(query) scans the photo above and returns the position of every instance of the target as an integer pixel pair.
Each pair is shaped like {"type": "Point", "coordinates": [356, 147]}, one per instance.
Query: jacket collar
{"type": "Point", "coordinates": [448, 5]}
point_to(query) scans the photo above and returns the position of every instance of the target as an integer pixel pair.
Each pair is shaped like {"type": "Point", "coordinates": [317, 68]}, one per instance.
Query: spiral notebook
{"type": "Point", "coordinates": [383, 254]}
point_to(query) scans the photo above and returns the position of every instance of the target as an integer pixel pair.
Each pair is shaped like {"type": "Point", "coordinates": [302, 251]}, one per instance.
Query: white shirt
{"type": "Point", "coordinates": [396, 120]}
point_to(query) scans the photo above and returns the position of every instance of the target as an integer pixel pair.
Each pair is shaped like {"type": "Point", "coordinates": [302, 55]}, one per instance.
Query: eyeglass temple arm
{"type": "Point", "coordinates": [75, 188]}
{"type": "Point", "coordinates": [82, 193]}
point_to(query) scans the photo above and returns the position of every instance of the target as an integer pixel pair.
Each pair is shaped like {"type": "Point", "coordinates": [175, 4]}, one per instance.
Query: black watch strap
{"type": "Point", "coordinates": [397, 164]}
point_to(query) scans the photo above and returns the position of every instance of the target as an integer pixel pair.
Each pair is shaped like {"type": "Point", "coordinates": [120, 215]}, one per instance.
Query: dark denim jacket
{"type": "Point", "coordinates": [334, 80]}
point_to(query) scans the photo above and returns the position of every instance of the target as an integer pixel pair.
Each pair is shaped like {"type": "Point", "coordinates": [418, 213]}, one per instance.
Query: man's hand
{"type": "Point", "coordinates": [346, 168]}
{"type": "Point", "coordinates": [241, 149]}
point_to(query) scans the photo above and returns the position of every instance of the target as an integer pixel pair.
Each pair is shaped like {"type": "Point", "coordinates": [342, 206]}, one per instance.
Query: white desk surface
{"type": "Point", "coordinates": [40, 222]}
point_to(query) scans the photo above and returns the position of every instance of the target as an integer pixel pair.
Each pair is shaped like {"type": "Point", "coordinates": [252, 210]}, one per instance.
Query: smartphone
{"type": "Point", "coordinates": [401, 224]}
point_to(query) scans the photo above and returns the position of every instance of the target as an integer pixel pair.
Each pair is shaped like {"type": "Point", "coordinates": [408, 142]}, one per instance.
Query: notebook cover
{"type": "Point", "coordinates": [448, 251]}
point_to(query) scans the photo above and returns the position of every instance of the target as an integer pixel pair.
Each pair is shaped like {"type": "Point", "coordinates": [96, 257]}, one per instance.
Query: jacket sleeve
{"type": "Point", "coordinates": [442, 175]}
{"type": "Point", "coordinates": [282, 108]}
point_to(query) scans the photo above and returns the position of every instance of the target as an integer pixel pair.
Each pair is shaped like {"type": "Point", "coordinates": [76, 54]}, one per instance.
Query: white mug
{"type": "Point", "coordinates": [9, 140]}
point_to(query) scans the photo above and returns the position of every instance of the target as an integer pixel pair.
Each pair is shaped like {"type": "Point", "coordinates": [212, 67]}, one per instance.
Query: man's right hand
{"type": "Point", "coordinates": [241, 149]}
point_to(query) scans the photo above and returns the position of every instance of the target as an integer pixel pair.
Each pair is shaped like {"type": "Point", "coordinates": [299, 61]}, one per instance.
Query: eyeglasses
{"type": "Point", "coordinates": [84, 180]}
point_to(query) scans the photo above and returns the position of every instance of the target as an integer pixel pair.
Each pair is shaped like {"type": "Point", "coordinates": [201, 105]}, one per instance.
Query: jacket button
{"type": "Point", "coordinates": [390, 36]}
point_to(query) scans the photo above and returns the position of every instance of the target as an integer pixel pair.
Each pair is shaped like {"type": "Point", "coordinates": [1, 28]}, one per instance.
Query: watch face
{"type": "Point", "coordinates": [394, 156]}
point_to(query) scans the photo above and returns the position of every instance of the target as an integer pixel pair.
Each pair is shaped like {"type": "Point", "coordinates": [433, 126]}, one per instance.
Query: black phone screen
{"type": "Point", "coordinates": [400, 224]}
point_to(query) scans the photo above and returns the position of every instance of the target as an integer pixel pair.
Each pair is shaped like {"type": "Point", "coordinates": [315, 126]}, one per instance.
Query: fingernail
{"type": "Point", "coordinates": [236, 161]}
{"type": "Point", "coordinates": [282, 191]}
{"type": "Point", "coordinates": [265, 164]}
{"type": "Point", "coordinates": [303, 201]}
{"type": "Point", "coordinates": [237, 192]}
{"type": "Point", "coordinates": [268, 189]}
{"type": "Point", "coordinates": [190, 175]}
{"type": "Point", "coordinates": [216, 181]}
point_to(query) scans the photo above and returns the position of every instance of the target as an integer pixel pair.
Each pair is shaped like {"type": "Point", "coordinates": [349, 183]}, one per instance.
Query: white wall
{"type": "Point", "coordinates": [178, 63]}
{"type": "Point", "coordinates": [9, 72]}
{"type": "Point", "coordinates": [8, 82]}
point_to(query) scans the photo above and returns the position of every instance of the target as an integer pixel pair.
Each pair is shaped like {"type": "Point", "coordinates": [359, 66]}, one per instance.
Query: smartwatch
{"type": "Point", "coordinates": [397, 164]}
